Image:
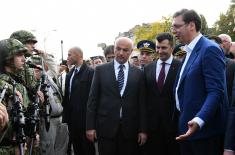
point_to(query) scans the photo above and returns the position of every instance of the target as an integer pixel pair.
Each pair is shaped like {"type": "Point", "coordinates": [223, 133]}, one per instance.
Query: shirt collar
{"type": "Point", "coordinates": [192, 44]}
{"type": "Point", "coordinates": [77, 68]}
{"type": "Point", "coordinates": [168, 61]}
{"type": "Point", "coordinates": [116, 65]}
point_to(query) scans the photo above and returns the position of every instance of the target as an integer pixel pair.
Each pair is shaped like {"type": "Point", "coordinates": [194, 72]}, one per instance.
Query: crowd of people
{"type": "Point", "coordinates": [165, 99]}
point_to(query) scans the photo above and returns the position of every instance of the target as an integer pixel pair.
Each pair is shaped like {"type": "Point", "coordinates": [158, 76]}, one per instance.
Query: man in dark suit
{"type": "Point", "coordinates": [116, 106]}
{"type": "Point", "coordinates": [230, 67]}
{"type": "Point", "coordinates": [200, 88]}
{"type": "Point", "coordinates": [229, 144]}
{"type": "Point", "coordinates": [230, 78]}
{"type": "Point", "coordinates": [77, 87]}
{"type": "Point", "coordinates": [225, 44]}
{"type": "Point", "coordinates": [160, 77]}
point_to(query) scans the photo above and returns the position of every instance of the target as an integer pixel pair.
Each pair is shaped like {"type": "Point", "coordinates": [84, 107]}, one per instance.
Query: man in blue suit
{"type": "Point", "coordinates": [199, 89]}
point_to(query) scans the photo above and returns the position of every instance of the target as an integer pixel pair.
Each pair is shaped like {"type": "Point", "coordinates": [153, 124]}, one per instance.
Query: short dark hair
{"type": "Point", "coordinates": [109, 50]}
{"type": "Point", "coordinates": [165, 36]}
{"type": "Point", "coordinates": [190, 16]}
{"type": "Point", "coordinates": [64, 62]}
{"type": "Point", "coordinates": [217, 39]}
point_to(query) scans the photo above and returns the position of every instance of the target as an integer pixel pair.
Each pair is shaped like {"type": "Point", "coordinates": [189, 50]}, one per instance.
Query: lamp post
{"type": "Point", "coordinates": [62, 50]}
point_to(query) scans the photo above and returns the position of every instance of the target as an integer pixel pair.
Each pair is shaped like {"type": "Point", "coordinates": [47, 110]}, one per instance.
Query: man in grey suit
{"type": "Point", "coordinates": [116, 104]}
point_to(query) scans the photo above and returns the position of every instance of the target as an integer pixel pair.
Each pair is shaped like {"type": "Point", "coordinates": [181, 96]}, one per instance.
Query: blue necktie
{"type": "Point", "coordinates": [120, 77]}
{"type": "Point", "coordinates": [76, 71]}
{"type": "Point", "coordinates": [72, 79]}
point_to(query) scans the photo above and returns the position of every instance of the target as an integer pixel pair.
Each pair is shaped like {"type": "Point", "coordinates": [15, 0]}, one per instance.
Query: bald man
{"type": "Point", "coordinates": [116, 107]}
{"type": "Point", "coordinates": [226, 45]}
{"type": "Point", "coordinates": [77, 87]}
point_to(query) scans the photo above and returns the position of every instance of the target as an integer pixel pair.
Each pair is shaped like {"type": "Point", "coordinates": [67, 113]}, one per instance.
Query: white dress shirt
{"type": "Point", "coordinates": [125, 69]}
{"type": "Point", "coordinates": [167, 66]}
{"type": "Point", "coordinates": [188, 48]}
{"type": "Point", "coordinates": [71, 79]}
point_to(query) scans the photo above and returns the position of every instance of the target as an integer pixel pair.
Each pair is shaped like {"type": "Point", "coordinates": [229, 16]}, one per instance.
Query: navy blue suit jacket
{"type": "Point", "coordinates": [202, 90]}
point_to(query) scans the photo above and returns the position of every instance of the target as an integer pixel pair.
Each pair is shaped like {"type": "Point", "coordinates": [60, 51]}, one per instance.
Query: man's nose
{"type": "Point", "coordinates": [23, 58]}
{"type": "Point", "coordinates": [121, 52]}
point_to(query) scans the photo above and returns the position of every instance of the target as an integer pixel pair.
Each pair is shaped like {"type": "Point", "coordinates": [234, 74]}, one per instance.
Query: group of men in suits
{"type": "Point", "coordinates": [117, 117]}
{"type": "Point", "coordinates": [169, 106]}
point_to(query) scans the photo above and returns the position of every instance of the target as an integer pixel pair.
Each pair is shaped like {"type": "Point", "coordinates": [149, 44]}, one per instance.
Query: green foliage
{"type": "Point", "coordinates": [150, 31]}
{"type": "Point", "coordinates": [225, 24]}
{"type": "Point", "coordinates": [204, 29]}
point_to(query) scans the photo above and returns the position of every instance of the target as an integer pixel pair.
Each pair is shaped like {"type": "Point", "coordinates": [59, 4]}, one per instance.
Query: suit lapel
{"type": "Point", "coordinates": [129, 78]}
{"type": "Point", "coordinates": [68, 77]}
{"type": "Point", "coordinates": [170, 74]}
{"type": "Point", "coordinates": [77, 77]}
{"type": "Point", "coordinates": [114, 81]}
{"type": "Point", "coordinates": [191, 59]}
{"type": "Point", "coordinates": [153, 76]}
{"type": "Point", "coordinates": [70, 74]}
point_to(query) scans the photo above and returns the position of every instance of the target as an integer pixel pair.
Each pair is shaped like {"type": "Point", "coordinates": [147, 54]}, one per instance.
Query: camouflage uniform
{"type": "Point", "coordinates": [9, 48]}
{"type": "Point", "coordinates": [27, 75]}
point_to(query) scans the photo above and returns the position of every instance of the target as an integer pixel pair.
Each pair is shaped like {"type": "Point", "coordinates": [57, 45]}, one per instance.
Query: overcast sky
{"type": "Point", "coordinates": [85, 23]}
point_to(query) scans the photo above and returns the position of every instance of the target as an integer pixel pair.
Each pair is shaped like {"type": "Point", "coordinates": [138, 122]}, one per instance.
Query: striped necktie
{"type": "Point", "coordinates": [121, 77]}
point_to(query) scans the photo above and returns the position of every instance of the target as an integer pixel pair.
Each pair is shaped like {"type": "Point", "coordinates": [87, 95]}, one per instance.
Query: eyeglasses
{"type": "Point", "coordinates": [177, 26]}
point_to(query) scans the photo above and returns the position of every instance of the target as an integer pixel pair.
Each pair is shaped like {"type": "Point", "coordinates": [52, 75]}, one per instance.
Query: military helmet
{"type": "Point", "coordinates": [24, 36]}
{"type": "Point", "coordinates": [11, 47]}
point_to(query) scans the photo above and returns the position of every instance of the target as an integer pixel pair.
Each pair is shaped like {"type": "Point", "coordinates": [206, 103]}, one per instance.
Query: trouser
{"type": "Point", "coordinates": [161, 143]}
{"type": "Point", "coordinates": [118, 145]}
{"type": "Point", "coordinates": [208, 146]}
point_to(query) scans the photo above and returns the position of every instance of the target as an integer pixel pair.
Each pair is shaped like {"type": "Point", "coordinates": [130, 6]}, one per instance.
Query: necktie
{"type": "Point", "coordinates": [75, 72]}
{"type": "Point", "coordinates": [72, 79]}
{"type": "Point", "coordinates": [161, 77]}
{"type": "Point", "coordinates": [142, 67]}
{"type": "Point", "coordinates": [120, 77]}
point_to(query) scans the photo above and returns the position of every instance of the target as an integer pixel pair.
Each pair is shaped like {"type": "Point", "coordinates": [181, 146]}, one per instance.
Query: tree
{"type": "Point", "coordinates": [150, 31]}
{"type": "Point", "coordinates": [225, 24]}
{"type": "Point", "coordinates": [204, 28]}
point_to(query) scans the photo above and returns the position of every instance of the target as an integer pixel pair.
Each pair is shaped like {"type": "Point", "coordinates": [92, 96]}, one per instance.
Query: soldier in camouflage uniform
{"type": "Point", "coordinates": [12, 61]}
{"type": "Point", "coordinates": [29, 40]}
{"type": "Point", "coordinates": [27, 76]}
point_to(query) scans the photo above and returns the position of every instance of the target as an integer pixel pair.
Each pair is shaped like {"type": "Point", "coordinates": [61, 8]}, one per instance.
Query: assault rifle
{"type": "Point", "coordinates": [33, 119]}
{"type": "Point", "coordinates": [18, 120]}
